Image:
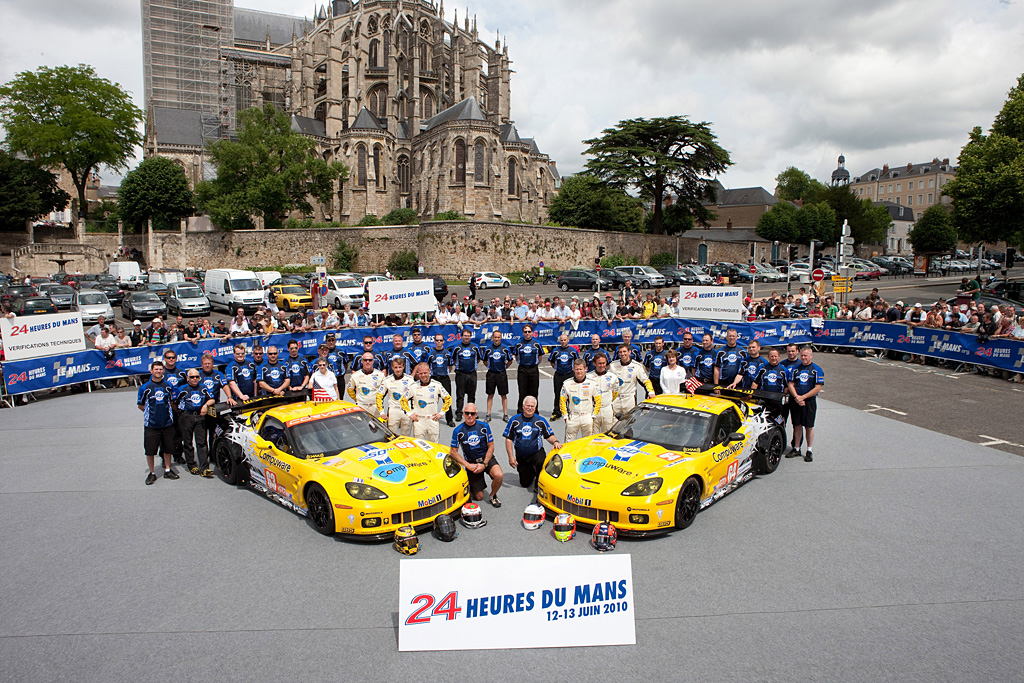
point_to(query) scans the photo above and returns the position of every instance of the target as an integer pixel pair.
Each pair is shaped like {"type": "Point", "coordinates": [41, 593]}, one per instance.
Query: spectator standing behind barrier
{"type": "Point", "coordinates": [673, 374]}
{"type": "Point", "coordinates": [396, 388]}
{"type": "Point", "coordinates": [465, 357]}
{"type": "Point", "coordinates": [524, 441]}
{"type": "Point", "coordinates": [240, 375]}
{"type": "Point", "coordinates": [654, 361]}
{"type": "Point", "coordinates": [561, 359]}
{"type": "Point", "coordinates": [631, 373]}
{"type": "Point", "coordinates": [472, 447]}
{"type": "Point", "coordinates": [608, 384]}
{"type": "Point", "coordinates": [365, 384]}
{"type": "Point", "coordinates": [154, 400]}
{"type": "Point", "coordinates": [497, 357]}
{"type": "Point", "coordinates": [425, 393]}
{"type": "Point", "coordinates": [704, 362]}
{"type": "Point", "coordinates": [193, 401]}
{"type": "Point", "coordinates": [297, 369]}
{"type": "Point", "coordinates": [805, 383]}
{"type": "Point", "coordinates": [527, 354]}
{"type": "Point", "coordinates": [579, 401]}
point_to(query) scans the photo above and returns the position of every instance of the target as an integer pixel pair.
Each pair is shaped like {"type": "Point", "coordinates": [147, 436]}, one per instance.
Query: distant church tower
{"type": "Point", "coordinates": [841, 176]}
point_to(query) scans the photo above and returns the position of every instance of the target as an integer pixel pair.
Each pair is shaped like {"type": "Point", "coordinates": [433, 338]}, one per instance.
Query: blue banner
{"type": "Point", "coordinates": [54, 371]}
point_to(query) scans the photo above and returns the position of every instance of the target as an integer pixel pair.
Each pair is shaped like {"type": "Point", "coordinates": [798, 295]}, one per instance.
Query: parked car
{"type": "Point", "coordinates": [158, 288]}
{"type": "Point", "coordinates": [114, 293]}
{"type": "Point", "coordinates": [342, 290]}
{"type": "Point", "coordinates": [766, 273]}
{"type": "Point", "coordinates": [142, 305]}
{"type": "Point", "coordinates": [617, 279]}
{"type": "Point", "coordinates": [12, 292]}
{"type": "Point", "coordinates": [91, 304]}
{"type": "Point", "coordinates": [60, 295]}
{"type": "Point", "coordinates": [440, 286]}
{"type": "Point", "coordinates": [1007, 289]}
{"type": "Point", "coordinates": [33, 305]}
{"type": "Point", "coordinates": [583, 279]}
{"type": "Point", "coordinates": [732, 271]}
{"type": "Point", "coordinates": [187, 298]}
{"type": "Point", "coordinates": [677, 276]}
{"type": "Point", "coordinates": [291, 297]}
{"type": "Point", "coordinates": [490, 280]}
{"type": "Point", "coordinates": [644, 277]}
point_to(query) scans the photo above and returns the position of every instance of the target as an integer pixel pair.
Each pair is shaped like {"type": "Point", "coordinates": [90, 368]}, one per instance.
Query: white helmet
{"type": "Point", "coordinates": [533, 516]}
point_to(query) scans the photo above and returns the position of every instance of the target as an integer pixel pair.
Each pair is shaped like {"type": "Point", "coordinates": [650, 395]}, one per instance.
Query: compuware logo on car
{"type": "Point", "coordinates": [592, 464]}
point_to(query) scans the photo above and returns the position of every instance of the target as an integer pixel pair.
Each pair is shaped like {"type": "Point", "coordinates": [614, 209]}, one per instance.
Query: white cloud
{"type": "Point", "coordinates": [789, 82]}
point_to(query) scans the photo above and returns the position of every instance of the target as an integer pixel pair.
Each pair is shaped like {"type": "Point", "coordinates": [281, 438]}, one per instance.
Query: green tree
{"type": "Point", "coordinates": [868, 223]}
{"type": "Point", "coordinates": [401, 217]}
{"type": "Point", "coordinates": [675, 219]}
{"type": "Point", "coordinates": [658, 156]}
{"type": "Point", "coordinates": [26, 192]}
{"type": "Point", "coordinates": [156, 189]}
{"type": "Point", "coordinates": [663, 258]}
{"type": "Point", "coordinates": [344, 256]}
{"type": "Point", "coordinates": [584, 201]}
{"type": "Point", "coordinates": [779, 223]}
{"type": "Point", "coordinates": [68, 116]}
{"type": "Point", "coordinates": [269, 171]}
{"type": "Point", "coordinates": [403, 262]}
{"type": "Point", "coordinates": [793, 184]}
{"type": "Point", "coordinates": [369, 220]}
{"type": "Point", "coordinates": [934, 231]}
{"type": "Point", "coordinates": [816, 221]}
{"type": "Point", "coordinates": [450, 215]}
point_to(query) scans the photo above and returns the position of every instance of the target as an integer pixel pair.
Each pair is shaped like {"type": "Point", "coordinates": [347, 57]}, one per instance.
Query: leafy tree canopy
{"type": "Point", "coordinates": [68, 116]}
{"type": "Point", "coordinates": [934, 231]}
{"type": "Point", "coordinates": [155, 189]}
{"type": "Point", "coordinates": [786, 222]}
{"type": "Point", "coordinates": [584, 201]}
{"type": "Point", "coordinates": [269, 171]}
{"type": "Point", "coordinates": [26, 192]}
{"type": "Point", "coordinates": [793, 184]}
{"type": "Point", "coordinates": [658, 156]}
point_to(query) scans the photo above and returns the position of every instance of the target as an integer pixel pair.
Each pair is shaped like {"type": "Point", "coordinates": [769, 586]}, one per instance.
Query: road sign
{"type": "Point", "coordinates": [753, 269]}
{"type": "Point", "coordinates": [846, 250]}
{"type": "Point", "coordinates": [317, 261]}
{"type": "Point", "coordinates": [599, 267]}
{"type": "Point", "coordinates": [818, 275]}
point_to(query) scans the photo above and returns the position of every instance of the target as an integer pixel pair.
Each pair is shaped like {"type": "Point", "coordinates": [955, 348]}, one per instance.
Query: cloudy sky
{"type": "Point", "coordinates": [786, 82]}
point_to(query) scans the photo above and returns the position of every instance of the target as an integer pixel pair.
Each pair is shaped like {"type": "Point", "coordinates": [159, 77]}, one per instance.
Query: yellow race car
{"type": "Point", "coordinates": [291, 297]}
{"type": "Point", "coordinates": [337, 465]}
{"type": "Point", "coordinates": [667, 459]}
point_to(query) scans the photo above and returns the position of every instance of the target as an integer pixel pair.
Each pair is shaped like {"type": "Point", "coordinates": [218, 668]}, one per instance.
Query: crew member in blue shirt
{"type": "Point", "coordinates": [727, 362]}
{"type": "Point", "coordinates": [337, 358]}
{"type": "Point", "coordinates": [175, 379]}
{"type": "Point", "coordinates": [687, 354]}
{"type": "Point", "coordinates": [210, 378]}
{"type": "Point", "coordinates": [704, 362]}
{"type": "Point", "coordinates": [273, 375]}
{"type": "Point", "coordinates": [240, 375]}
{"type": "Point", "coordinates": [419, 350]}
{"type": "Point", "coordinates": [524, 441]}
{"type": "Point", "coordinates": [561, 359]}
{"type": "Point", "coordinates": [497, 357]}
{"type": "Point", "coordinates": [476, 442]}
{"type": "Point", "coordinates": [790, 362]}
{"type": "Point", "coordinates": [593, 351]}
{"type": "Point", "coordinates": [654, 361]}
{"type": "Point", "coordinates": [805, 382]}
{"type": "Point", "coordinates": [193, 401]}
{"type": "Point", "coordinates": [440, 362]}
{"type": "Point", "coordinates": [397, 350]}
{"type": "Point", "coordinates": [157, 422]}
{"type": "Point", "coordinates": [772, 376]}
{"type": "Point", "coordinates": [298, 370]}
{"type": "Point", "coordinates": [750, 366]}
{"type": "Point", "coordinates": [528, 354]}
{"type": "Point", "coordinates": [465, 358]}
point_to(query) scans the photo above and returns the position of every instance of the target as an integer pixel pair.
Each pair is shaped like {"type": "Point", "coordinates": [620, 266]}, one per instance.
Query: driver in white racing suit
{"type": "Point", "coordinates": [608, 383]}
{"type": "Point", "coordinates": [631, 373]}
{"type": "Point", "coordinates": [579, 401]}
{"type": "Point", "coordinates": [397, 388]}
{"type": "Point", "coordinates": [423, 411]}
{"type": "Point", "coordinates": [364, 384]}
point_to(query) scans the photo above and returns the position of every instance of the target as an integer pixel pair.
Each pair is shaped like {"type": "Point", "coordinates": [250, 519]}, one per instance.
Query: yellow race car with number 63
{"type": "Point", "coordinates": [337, 465]}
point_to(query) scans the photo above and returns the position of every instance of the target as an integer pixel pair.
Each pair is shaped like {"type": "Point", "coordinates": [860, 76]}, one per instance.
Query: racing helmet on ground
{"type": "Point", "coordinates": [472, 517]}
{"type": "Point", "coordinates": [604, 537]}
{"type": "Point", "coordinates": [565, 527]}
{"type": "Point", "coordinates": [444, 528]}
{"type": "Point", "coordinates": [406, 541]}
{"type": "Point", "coordinates": [533, 516]}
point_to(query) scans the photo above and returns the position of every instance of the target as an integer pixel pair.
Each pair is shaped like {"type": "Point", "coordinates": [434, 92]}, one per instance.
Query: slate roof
{"type": "Point", "coordinates": [178, 126]}
{"type": "Point", "coordinates": [308, 126]}
{"type": "Point", "coordinates": [509, 133]}
{"type": "Point", "coordinates": [534, 149]}
{"type": "Point", "coordinates": [897, 212]}
{"type": "Point", "coordinates": [252, 25]}
{"type": "Point", "coordinates": [746, 196]}
{"type": "Point", "coordinates": [466, 110]}
{"type": "Point", "coordinates": [366, 121]}
{"type": "Point", "coordinates": [933, 166]}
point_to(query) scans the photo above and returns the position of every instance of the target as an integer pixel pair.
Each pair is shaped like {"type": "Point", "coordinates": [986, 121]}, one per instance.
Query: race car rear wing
{"type": "Point", "coordinates": [756, 395]}
{"type": "Point", "coordinates": [224, 411]}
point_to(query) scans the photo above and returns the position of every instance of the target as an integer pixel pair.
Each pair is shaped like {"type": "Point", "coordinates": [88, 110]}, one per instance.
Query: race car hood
{"type": "Point", "coordinates": [388, 463]}
{"type": "Point", "coordinates": [604, 460]}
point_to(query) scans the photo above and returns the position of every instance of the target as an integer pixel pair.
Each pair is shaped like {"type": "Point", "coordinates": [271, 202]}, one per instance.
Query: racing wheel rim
{"type": "Point", "coordinates": [689, 503]}
{"type": "Point", "coordinates": [773, 453]}
{"type": "Point", "coordinates": [225, 463]}
{"type": "Point", "coordinates": [318, 505]}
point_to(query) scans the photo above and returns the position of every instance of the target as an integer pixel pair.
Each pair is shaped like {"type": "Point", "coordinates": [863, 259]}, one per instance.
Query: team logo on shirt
{"type": "Point", "coordinates": [396, 396]}
{"type": "Point", "coordinates": [473, 439]}
{"type": "Point", "coordinates": [804, 376]}
{"type": "Point", "coordinates": [158, 396]}
{"type": "Point", "coordinates": [422, 403]}
{"type": "Point", "coordinates": [526, 431]}
{"type": "Point", "coordinates": [365, 390]}
{"type": "Point", "coordinates": [196, 399]}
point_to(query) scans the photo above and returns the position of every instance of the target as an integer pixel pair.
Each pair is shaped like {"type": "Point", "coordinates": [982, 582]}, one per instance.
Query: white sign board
{"type": "Point", "coordinates": [516, 602]}
{"type": "Point", "coordinates": [42, 335]}
{"type": "Point", "coordinates": [402, 296]}
{"type": "Point", "coordinates": [711, 303]}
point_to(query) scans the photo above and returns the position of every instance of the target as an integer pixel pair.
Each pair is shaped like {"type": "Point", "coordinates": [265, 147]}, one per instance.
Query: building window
{"type": "Point", "coordinates": [361, 166]}
{"type": "Point", "coordinates": [512, 177]}
{"type": "Point", "coordinates": [897, 201]}
{"type": "Point", "coordinates": [899, 187]}
{"type": "Point", "coordinates": [479, 168]}
{"type": "Point", "coordinates": [424, 57]}
{"type": "Point", "coordinates": [869, 190]}
{"type": "Point", "coordinates": [910, 200]}
{"type": "Point", "coordinates": [460, 162]}
{"type": "Point", "coordinates": [931, 182]}
{"type": "Point", "coordinates": [910, 185]}
{"type": "Point", "coordinates": [920, 199]}
{"type": "Point", "coordinates": [426, 104]}
{"type": "Point", "coordinates": [403, 173]}
{"type": "Point", "coordinates": [374, 53]}
{"type": "Point", "coordinates": [379, 102]}
{"type": "Point", "coordinates": [931, 198]}
{"type": "Point", "coordinates": [376, 166]}
{"type": "Point", "coordinates": [890, 187]}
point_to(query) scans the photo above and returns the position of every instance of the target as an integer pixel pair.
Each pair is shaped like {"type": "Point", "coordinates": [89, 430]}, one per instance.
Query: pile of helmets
{"type": "Point", "coordinates": [407, 541]}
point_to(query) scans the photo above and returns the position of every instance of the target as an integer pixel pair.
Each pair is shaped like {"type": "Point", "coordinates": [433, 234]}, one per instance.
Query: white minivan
{"type": "Point", "coordinates": [233, 289]}
{"type": "Point", "coordinates": [343, 290]}
{"type": "Point", "coordinates": [166, 277]}
{"type": "Point", "coordinates": [268, 277]}
{"type": "Point", "coordinates": [125, 271]}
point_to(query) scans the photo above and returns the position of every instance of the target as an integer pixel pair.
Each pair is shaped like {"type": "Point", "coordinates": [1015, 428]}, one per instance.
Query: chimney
{"type": "Point", "coordinates": [910, 167]}
{"type": "Point", "coordinates": [728, 224]}
{"type": "Point", "coordinates": [885, 169]}
{"type": "Point", "coordinates": [935, 160]}
{"type": "Point", "coordinates": [945, 162]}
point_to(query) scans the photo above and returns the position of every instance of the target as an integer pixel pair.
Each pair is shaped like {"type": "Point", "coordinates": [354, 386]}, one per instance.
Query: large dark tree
{"type": "Point", "coordinates": [269, 171]}
{"type": "Point", "coordinates": [26, 192]}
{"type": "Point", "coordinates": [868, 223]}
{"type": "Point", "coordinates": [933, 233]}
{"type": "Point", "coordinates": [988, 190]}
{"type": "Point", "coordinates": [156, 189]}
{"type": "Point", "coordinates": [660, 156]}
{"type": "Point", "coordinates": [785, 222]}
{"type": "Point", "coordinates": [68, 116]}
{"type": "Point", "coordinates": [584, 201]}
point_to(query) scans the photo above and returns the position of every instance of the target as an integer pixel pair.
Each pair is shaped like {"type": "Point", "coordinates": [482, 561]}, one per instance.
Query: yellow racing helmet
{"type": "Point", "coordinates": [406, 541]}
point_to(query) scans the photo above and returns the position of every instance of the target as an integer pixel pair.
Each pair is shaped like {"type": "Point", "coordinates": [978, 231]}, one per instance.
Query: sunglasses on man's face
{"type": "Point", "coordinates": [469, 412]}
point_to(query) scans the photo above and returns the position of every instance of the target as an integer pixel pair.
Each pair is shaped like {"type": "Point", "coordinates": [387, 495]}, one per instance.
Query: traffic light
{"type": "Point", "coordinates": [817, 246]}
{"type": "Point", "coordinates": [794, 252]}
{"type": "Point", "coordinates": [597, 261]}
{"type": "Point", "coordinates": [1011, 256]}
{"type": "Point", "coordinates": [600, 252]}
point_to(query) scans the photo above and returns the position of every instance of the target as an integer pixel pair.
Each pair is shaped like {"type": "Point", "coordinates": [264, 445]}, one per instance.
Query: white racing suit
{"type": "Point", "coordinates": [608, 384]}
{"type": "Point", "coordinates": [630, 375]}
{"type": "Point", "coordinates": [362, 387]}
{"type": "Point", "coordinates": [423, 401]}
{"type": "Point", "coordinates": [579, 402]}
{"type": "Point", "coordinates": [397, 392]}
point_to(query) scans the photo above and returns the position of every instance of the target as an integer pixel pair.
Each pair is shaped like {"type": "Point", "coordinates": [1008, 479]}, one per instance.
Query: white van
{"type": "Point", "coordinates": [233, 289]}
{"type": "Point", "coordinates": [343, 290]}
{"type": "Point", "coordinates": [166, 277]}
{"type": "Point", "coordinates": [125, 271]}
{"type": "Point", "coordinates": [268, 277]}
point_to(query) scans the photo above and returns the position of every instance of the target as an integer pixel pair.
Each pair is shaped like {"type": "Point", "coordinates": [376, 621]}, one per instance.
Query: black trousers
{"type": "Point", "coordinates": [656, 381]}
{"type": "Point", "coordinates": [446, 382]}
{"type": "Point", "coordinates": [559, 380]}
{"type": "Point", "coordinates": [193, 432]}
{"type": "Point", "coordinates": [465, 391]}
{"type": "Point", "coordinates": [528, 379]}
{"type": "Point", "coordinates": [529, 467]}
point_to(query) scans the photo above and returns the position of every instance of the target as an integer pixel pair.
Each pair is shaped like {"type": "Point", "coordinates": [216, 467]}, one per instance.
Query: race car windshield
{"type": "Point", "coordinates": [293, 289]}
{"type": "Point", "coordinates": [334, 434]}
{"type": "Point", "coordinates": [671, 428]}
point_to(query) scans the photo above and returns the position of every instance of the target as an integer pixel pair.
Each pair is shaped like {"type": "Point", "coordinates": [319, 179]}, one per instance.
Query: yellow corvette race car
{"type": "Point", "coordinates": [337, 465]}
{"type": "Point", "coordinates": [666, 460]}
{"type": "Point", "coordinates": [291, 297]}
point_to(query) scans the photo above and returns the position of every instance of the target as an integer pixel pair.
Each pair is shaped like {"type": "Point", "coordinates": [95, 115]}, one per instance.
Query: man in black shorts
{"type": "Point", "coordinates": [476, 442]}
{"type": "Point", "coordinates": [498, 357]}
{"type": "Point", "coordinates": [805, 382]}
{"type": "Point", "coordinates": [157, 421]}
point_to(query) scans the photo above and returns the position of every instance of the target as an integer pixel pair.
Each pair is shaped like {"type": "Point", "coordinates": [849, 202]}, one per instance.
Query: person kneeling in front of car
{"type": "Point", "coordinates": [476, 441]}
{"type": "Point", "coordinates": [524, 441]}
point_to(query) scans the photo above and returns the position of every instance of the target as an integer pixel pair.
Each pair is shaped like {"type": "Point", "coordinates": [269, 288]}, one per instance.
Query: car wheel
{"type": "Point", "coordinates": [645, 284]}
{"type": "Point", "coordinates": [593, 287]}
{"type": "Point", "coordinates": [287, 306]}
{"type": "Point", "coordinates": [564, 286]}
{"type": "Point", "coordinates": [688, 504]}
{"type": "Point", "coordinates": [769, 452]}
{"type": "Point", "coordinates": [506, 284]}
{"type": "Point", "coordinates": [483, 284]}
{"type": "Point", "coordinates": [228, 458]}
{"type": "Point", "coordinates": [321, 512]}
{"type": "Point", "coordinates": [337, 303]}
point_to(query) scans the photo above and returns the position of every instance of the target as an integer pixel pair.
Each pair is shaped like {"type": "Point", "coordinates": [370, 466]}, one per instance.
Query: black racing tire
{"type": "Point", "coordinates": [688, 503]}
{"type": "Point", "coordinates": [320, 509]}
{"type": "Point", "coordinates": [228, 457]}
{"type": "Point", "coordinates": [564, 286]}
{"type": "Point", "coordinates": [506, 284]}
{"type": "Point", "coordinates": [769, 452]}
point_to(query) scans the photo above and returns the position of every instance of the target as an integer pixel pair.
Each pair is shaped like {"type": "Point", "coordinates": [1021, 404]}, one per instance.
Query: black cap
{"type": "Point", "coordinates": [330, 336]}
{"type": "Point", "coordinates": [417, 330]}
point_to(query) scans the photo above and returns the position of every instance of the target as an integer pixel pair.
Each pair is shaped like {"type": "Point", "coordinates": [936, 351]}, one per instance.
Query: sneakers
{"type": "Point", "coordinates": [179, 460]}
{"type": "Point", "coordinates": [791, 452]}
{"type": "Point", "coordinates": [150, 479]}
{"type": "Point", "coordinates": [494, 501]}
{"type": "Point", "coordinates": [171, 474]}
{"type": "Point", "coordinates": [488, 417]}
{"type": "Point", "coordinates": [208, 474]}
{"type": "Point", "coordinates": [193, 470]}
{"type": "Point", "coordinates": [808, 457]}
{"type": "Point", "coordinates": [505, 417]}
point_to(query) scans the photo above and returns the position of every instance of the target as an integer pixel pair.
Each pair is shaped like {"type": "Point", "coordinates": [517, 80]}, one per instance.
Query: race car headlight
{"type": "Point", "coordinates": [647, 487]}
{"type": "Point", "coordinates": [364, 491]}
{"type": "Point", "coordinates": [451, 468]}
{"type": "Point", "coordinates": [554, 466]}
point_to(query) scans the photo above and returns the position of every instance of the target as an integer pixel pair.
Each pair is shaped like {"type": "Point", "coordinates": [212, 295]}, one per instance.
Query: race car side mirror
{"type": "Point", "coordinates": [735, 436]}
